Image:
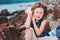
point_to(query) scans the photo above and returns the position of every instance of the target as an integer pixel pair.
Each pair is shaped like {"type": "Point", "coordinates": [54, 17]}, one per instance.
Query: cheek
{"type": "Point", "coordinates": [38, 16]}
{"type": "Point", "coordinates": [35, 15]}
{"type": "Point", "coordinates": [41, 15]}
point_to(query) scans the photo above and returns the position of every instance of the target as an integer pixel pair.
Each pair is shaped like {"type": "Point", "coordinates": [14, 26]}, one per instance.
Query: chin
{"type": "Point", "coordinates": [38, 19]}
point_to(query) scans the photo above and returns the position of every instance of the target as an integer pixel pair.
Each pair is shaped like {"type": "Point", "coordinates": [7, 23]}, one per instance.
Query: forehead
{"type": "Point", "coordinates": [39, 9]}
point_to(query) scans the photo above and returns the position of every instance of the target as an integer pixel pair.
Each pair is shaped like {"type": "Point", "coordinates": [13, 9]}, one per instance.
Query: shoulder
{"type": "Point", "coordinates": [43, 24]}
{"type": "Point", "coordinates": [44, 21]}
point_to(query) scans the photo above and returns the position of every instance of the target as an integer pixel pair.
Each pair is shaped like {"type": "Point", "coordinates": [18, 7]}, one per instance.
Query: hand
{"type": "Point", "coordinates": [28, 11]}
{"type": "Point", "coordinates": [33, 18]}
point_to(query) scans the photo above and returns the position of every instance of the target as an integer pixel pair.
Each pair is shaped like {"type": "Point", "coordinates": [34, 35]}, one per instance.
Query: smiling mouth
{"type": "Point", "coordinates": [38, 17]}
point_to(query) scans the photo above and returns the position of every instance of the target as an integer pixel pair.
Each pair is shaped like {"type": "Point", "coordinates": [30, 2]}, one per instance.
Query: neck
{"type": "Point", "coordinates": [37, 21]}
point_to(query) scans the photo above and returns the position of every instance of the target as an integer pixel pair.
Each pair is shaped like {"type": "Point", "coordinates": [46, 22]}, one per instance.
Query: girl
{"type": "Point", "coordinates": [35, 23]}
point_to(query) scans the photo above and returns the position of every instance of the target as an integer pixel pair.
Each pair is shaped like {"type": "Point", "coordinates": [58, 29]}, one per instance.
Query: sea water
{"type": "Point", "coordinates": [16, 1]}
{"type": "Point", "coordinates": [15, 7]}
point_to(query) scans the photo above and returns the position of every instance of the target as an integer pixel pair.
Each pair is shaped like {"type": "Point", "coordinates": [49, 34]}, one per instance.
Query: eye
{"type": "Point", "coordinates": [37, 12]}
{"type": "Point", "coordinates": [41, 12]}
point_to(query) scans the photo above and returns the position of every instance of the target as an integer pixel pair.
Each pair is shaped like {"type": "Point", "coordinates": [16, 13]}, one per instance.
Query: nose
{"type": "Point", "coordinates": [38, 14]}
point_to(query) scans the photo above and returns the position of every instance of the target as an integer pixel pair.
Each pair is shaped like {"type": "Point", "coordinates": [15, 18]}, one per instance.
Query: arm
{"type": "Point", "coordinates": [28, 20]}
{"type": "Point", "coordinates": [41, 29]}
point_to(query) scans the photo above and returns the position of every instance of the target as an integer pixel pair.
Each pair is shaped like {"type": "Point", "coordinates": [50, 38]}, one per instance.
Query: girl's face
{"type": "Point", "coordinates": [38, 13]}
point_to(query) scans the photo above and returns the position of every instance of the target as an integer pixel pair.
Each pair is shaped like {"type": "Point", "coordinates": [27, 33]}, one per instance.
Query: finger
{"type": "Point", "coordinates": [26, 11]}
{"type": "Point", "coordinates": [29, 9]}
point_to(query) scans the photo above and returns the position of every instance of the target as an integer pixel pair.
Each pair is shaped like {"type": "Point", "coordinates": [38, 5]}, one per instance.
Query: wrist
{"type": "Point", "coordinates": [33, 21]}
